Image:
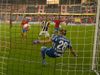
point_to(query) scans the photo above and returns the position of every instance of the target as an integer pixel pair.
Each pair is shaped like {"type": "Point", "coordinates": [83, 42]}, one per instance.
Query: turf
{"type": "Point", "coordinates": [24, 58]}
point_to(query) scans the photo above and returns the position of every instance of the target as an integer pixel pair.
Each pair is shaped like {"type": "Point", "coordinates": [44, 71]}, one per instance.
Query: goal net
{"type": "Point", "coordinates": [18, 54]}
{"type": "Point", "coordinates": [4, 37]}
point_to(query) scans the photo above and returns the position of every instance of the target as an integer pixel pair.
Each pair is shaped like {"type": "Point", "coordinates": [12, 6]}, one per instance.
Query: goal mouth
{"type": "Point", "coordinates": [21, 54]}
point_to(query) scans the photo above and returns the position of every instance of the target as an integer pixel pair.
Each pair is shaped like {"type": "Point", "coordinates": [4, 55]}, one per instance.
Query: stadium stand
{"type": "Point", "coordinates": [52, 9]}
{"type": "Point", "coordinates": [79, 9]}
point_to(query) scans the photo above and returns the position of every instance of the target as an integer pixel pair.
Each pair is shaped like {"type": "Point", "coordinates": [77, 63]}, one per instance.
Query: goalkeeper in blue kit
{"type": "Point", "coordinates": [59, 44]}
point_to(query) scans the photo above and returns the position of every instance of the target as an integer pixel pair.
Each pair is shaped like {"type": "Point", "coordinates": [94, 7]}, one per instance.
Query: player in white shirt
{"type": "Point", "coordinates": [44, 30]}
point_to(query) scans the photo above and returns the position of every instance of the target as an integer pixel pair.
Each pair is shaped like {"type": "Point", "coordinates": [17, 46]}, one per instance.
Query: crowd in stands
{"type": "Point", "coordinates": [79, 8]}
{"type": "Point", "coordinates": [67, 19]}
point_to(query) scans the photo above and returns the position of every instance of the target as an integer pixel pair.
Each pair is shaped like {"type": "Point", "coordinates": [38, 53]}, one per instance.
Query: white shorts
{"type": "Point", "coordinates": [44, 33]}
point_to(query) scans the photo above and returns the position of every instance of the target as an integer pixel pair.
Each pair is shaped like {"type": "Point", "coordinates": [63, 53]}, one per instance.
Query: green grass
{"type": "Point", "coordinates": [23, 58]}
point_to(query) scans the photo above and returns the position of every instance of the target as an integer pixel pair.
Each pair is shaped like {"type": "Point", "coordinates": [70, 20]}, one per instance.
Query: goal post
{"type": "Point", "coordinates": [21, 57]}
{"type": "Point", "coordinates": [96, 41]}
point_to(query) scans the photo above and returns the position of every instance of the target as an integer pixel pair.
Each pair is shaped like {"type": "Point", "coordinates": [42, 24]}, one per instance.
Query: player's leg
{"type": "Point", "coordinates": [56, 30]}
{"type": "Point", "coordinates": [49, 52]}
{"type": "Point", "coordinates": [41, 35]}
{"type": "Point", "coordinates": [52, 53]}
{"type": "Point", "coordinates": [47, 35]}
{"type": "Point", "coordinates": [43, 54]}
{"type": "Point", "coordinates": [24, 33]}
{"type": "Point", "coordinates": [41, 32]}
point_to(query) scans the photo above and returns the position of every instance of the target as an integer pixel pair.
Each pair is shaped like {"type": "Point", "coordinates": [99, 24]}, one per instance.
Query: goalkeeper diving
{"type": "Point", "coordinates": [59, 44]}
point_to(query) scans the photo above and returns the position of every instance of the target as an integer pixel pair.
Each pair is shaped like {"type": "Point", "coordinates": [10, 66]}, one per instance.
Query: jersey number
{"type": "Point", "coordinates": [62, 45]}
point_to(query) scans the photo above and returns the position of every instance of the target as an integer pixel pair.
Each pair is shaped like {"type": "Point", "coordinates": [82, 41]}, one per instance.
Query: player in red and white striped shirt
{"type": "Point", "coordinates": [25, 27]}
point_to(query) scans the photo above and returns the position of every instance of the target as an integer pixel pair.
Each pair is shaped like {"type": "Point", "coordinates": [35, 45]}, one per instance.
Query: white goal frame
{"type": "Point", "coordinates": [95, 40]}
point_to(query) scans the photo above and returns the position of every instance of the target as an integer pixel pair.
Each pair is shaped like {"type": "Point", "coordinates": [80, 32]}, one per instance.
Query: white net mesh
{"type": "Point", "coordinates": [4, 37]}
{"type": "Point", "coordinates": [19, 56]}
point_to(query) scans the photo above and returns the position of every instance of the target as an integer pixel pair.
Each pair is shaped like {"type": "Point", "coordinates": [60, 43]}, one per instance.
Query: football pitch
{"type": "Point", "coordinates": [24, 58]}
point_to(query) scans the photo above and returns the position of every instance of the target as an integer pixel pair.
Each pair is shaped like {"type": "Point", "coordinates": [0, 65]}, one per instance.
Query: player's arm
{"type": "Point", "coordinates": [42, 41]}
{"type": "Point", "coordinates": [62, 20]}
{"type": "Point", "coordinates": [73, 52]}
{"type": "Point", "coordinates": [69, 46]}
{"type": "Point", "coordinates": [22, 23]}
{"type": "Point", "coordinates": [29, 25]}
{"type": "Point", "coordinates": [45, 41]}
{"type": "Point", "coordinates": [51, 39]}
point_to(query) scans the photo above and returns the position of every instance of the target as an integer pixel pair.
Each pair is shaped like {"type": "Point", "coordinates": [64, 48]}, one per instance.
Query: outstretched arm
{"type": "Point", "coordinates": [73, 52]}
{"type": "Point", "coordinates": [41, 41]}
{"type": "Point", "coordinates": [45, 41]}
{"type": "Point", "coordinates": [51, 39]}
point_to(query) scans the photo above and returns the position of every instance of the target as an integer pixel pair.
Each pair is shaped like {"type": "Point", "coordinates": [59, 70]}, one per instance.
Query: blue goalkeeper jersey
{"type": "Point", "coordinates": [60, 44]}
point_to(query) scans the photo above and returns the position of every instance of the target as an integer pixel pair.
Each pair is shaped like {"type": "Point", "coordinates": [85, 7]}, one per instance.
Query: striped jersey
{"type": "Point", "coordinates": [45, 25]}
{"type": "Point", "coordinates": [60, 44]}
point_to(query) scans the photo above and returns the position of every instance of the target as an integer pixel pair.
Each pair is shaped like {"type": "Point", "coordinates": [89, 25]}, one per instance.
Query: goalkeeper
{"type": "Point", "coordinates": [60, 44]}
